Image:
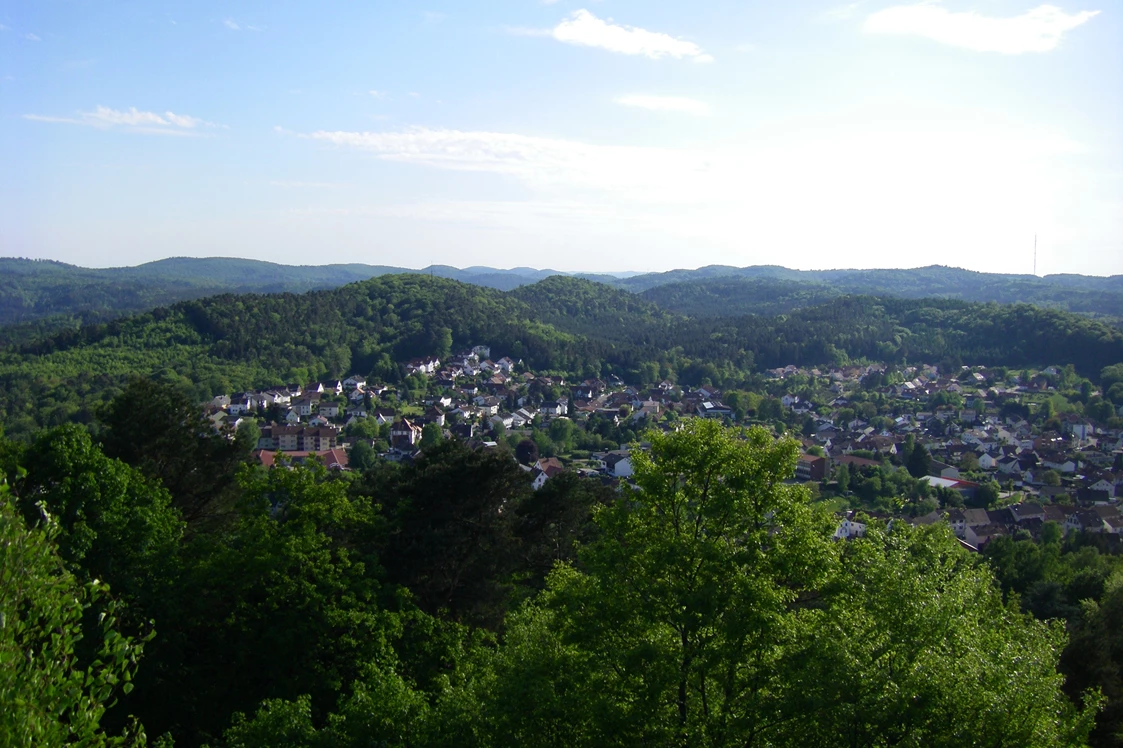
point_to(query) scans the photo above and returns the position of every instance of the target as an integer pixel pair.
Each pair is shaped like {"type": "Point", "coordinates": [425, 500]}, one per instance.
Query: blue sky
{"type": "Point", "coordinates": [595, 135]}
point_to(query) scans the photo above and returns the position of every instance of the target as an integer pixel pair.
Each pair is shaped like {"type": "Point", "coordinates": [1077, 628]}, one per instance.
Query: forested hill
{"type": "Point", "coordinates": [38, 297]}
{"type": "Point", "coordinates": [566, 325]}
{"type": "Point", "coordinates": [64, 295]}
{"type": "Point", "coordinates": [721, 290]}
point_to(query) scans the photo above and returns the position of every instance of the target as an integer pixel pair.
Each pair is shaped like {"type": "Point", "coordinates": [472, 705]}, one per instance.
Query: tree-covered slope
{"type": "Point", "coordinates": [720, 297]}
{"type": "Point", "coordinates": [40, 297]}
{"type": "Point", "coordinates": [44, 295]}
{"type": "Point", "coordinates": [562, 324]}
{"type": "Point", "coordinates": [723, 290]}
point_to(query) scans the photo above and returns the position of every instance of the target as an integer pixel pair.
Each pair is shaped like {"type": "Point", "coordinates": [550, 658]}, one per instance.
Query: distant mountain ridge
{"type": "Point", "coordinates": [43, 295]}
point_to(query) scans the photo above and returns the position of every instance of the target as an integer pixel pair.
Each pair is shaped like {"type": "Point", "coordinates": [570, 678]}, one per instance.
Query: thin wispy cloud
{"type": "Point", "coordinates": [666, 104]}
{"type": "Point", "coordinates": [433, 17]}
{"type": "Point", "coordinates": [231, 24]}
{"type": "Point", "coordinates": [132, 120]}
{"type": "Point", "coordinates": [291, 184]}
{"type": "Point", "coordinates": [3, 27]}
{"type": "Point", "coordinates": [546, 163]}
{"type": "Point", "coordinates": [841, 12]}
{"type": "Point", "coordinates": [377, 94]}
{"type": "Point", "coordinates": [527, 31]}
{"type": "Point", "coordinates": [716, 192]}
{"type": "Point", "coordinates": [32, 38]}
{"type": "Point", "coordinates": [585, 29]}
{"type": "Point", "coordinates": [1038, 30]}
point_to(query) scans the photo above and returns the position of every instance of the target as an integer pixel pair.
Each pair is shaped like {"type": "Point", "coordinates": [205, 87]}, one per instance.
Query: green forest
{"type": "Point", "coordinates": [38, 296]}
{"type": "Point", "coordinates": [569, 326]}
{"type": "Point", "coordinates": [158, 590]}
{"type": "Point", "coordinates": [157, 587]}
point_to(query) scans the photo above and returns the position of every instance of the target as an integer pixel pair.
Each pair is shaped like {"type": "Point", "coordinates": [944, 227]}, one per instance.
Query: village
{"type": "Point", "coordinates": [989, 451]}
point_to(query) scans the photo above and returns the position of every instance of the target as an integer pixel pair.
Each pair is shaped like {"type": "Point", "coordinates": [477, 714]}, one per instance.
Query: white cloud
{"type": "Point", "coordinates": [231, 24]}
{"type": "Point", "coordinates": [666, 104]}
{"type": "Point", "coordinates": [131, 120]}
{"type": "Point", "coordinates": [1036, 30]}
{"type": "Point", "coordinates": [377, 94]}
{"type": "Point", "coordinates": [32, 38]}
{"type": "Point", "coordinates": [183, 120]}
{"type": "Point", "coordinates": [585, 29]}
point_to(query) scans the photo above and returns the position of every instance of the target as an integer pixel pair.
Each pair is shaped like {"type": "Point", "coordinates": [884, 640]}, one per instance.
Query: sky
{"type": "Point", "coordinates": [596, 135]}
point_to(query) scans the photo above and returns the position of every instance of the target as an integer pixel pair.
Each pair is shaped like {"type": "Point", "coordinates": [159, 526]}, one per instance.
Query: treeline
{"type": "Point", "coordinates": [562, 325]}
{"type": "Point", "coordinates": [747, 290]}
{"type": "Point", "coordinates": [38, 297]}
{"type": "Point", "coordinates": [446, 603]}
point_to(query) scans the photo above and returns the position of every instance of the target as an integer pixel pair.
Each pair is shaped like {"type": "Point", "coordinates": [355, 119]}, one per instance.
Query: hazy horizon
{"type": "Point", "coordinates": [567, 135]}
{"type": "Point", "coordinates": [580, 271]}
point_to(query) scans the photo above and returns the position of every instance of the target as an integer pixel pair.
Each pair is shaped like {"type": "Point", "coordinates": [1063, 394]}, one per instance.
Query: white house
{"type": "Point", "coordinates": [618, 463]}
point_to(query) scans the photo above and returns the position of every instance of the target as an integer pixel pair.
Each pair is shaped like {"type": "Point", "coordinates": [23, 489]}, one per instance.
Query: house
{"type": "Point", "coordinates": [241, 406]}
{"type": "Point", "coordinates": [506, 420]}
{"type": "Point", "coordinates": [856, 463]}
{"type": "Point", "coordinates": [505, 364]}
{"type": "Point", "coordinates": [435, 415]}
{"type": "Point", "coordinates": [319, 439]}
{"type": "Point", "coordinates": [850, 528]}
{"type": "Point", "coordinates": [489, 406]}
{"type": "Point", "coordinates": [425, 366]}
{"type": "Point", "coordinates": [464, 430]}
{"type": "Point", "coordinates": [943, 470]}
{"type": "Point", "coordinates": [329, 409]}
{"type": "Point", "coordinates": [1058, 461]}
{"type": "Point", "coordinates": [354, 382]}
{"type": "Point", "coordinates": [810, 468]}
{"type": "Point", "coordinates": [305, 405]}
{"type": "Point", "coordinates": [333, 459]}
{"type": "Point", "coordinates": [384, 415]}
{"type": "Point", "coordinates": [713, 409]}
{"type": "Point", "coordinates": [618, 463]}
{"type": "Point", "coordinates": [1027, 510]}
{"type": "Point", "coordinates": [957, 518]}
{"type": "Point", "coordinates": [965, 487]}
{"type": "Point", "coordinates": [404, 435]}
{"type": "Point", "coordinates": [1084, 520]}
{"type": "Point", "coordinates": [1105, 483]}
{"type": "Point", "coordinates": [543, 470]}
{"type": "Point", "coordinates": [287, 438]}
{"type": "Point", "coordinates": [558, 407]}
